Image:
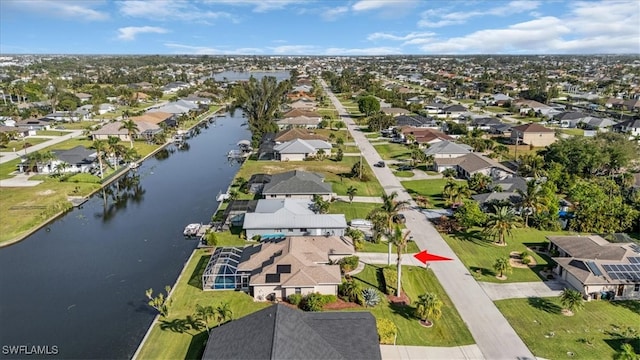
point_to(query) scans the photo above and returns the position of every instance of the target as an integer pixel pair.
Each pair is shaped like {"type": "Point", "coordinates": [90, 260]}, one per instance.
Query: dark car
{"type": "Point", "coordinates": [380, 164]}
{"type": "Point", "coordinates": [399, 219]}
{"type": "Point", "coordinates": [405, 168]}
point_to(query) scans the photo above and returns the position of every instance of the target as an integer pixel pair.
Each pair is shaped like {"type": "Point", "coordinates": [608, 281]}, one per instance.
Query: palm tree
{"type": "Point", "coordinates": [455, 192]}
{"type": "Point", "coordinates": [428, 307]}
{"type": "Point", "coordinates": [449, 173]}
{"type": "Point", "coordinates": [352, 291]}
{"type": "Point", "coordinates": [132, 129]}
{"type": "Point", "coordinates": [479, 182]}
{"type": "Point", "coordinates": [532, 201]}
{"type": "Point", "coordinates": [399, 239]}
{"type": "Point", "coordinates": [320, 205]}
{"type": "Point", "coordinates": [100, 146]}
{"type": "Point", "coordinates": [571, 300]}
{"type": "Point", "coordinates": [531, 165]}
{"type": "Point", "coordinates": [423, 201]}
{"type": "Point", "coordinates": [61, 167]}
{"type": "Point", "coordinates": [351, 192]}
{"type": "Point", "coordinates": [320, 154]}
{"type": "Point", "coordinates": [626, 353]}
{"type": "Point", "coordinates": [502, 266]}
{"type": "Point", "coordinates": [223, 313]}
{"type": "Point", "coordinates": [203, 314]}
{"type": "Point", "coordinates": [391, 207]}
{"type": "Point", "coordinates": [418, 156]}
{"type": "Point", "coordinates": [501, 223]}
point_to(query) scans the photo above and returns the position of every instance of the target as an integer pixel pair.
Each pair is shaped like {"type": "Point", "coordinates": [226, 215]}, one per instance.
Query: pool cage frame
{"type": "Point", "coordinates": [221, 272]}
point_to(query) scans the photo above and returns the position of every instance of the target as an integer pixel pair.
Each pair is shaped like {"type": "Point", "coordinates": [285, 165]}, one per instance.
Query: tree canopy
{"type": "Point", "coordinates": [368, 105]}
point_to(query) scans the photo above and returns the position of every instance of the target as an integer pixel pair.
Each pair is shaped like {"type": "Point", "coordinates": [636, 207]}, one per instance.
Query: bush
{"type": "Point", "coordinates": [370, 297]}
{"type": "Point", "coordinates": [294, 299]}
{"type": "Point", "coordinates": [211, 238]}
{"type": "Point", "coordinates": [525, 258]}
{"type": "Point", "coordinates": [390, 276]}
{"type": "Point", "coordinates": [348, 263]}
{"type": "Point", "coordinates": [386, 331]}
{"type": "Point", "coordinates": [315, 301]}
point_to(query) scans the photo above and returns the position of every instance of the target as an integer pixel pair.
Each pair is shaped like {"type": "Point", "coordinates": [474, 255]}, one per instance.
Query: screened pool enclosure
{"type": "Point", "coordinates": [221, 272]}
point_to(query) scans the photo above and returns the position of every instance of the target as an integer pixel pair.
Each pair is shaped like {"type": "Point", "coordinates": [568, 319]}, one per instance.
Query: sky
{"type": "Point", "coordinates": [319, 27]}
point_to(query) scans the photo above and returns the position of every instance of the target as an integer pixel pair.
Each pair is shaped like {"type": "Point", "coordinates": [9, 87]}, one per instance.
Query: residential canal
{"type": "Point", "coordinates": [78, 285]}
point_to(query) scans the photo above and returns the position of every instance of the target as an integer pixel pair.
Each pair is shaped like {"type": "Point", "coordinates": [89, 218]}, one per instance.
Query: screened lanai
{"type": "Point", "coordinates": [221, 271]}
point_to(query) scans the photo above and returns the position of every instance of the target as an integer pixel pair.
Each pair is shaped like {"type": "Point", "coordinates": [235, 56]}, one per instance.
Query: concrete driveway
{"type": "Point", "coordinates": [497, 291]}
{"type": "Point", "coordinates": [20, 180]}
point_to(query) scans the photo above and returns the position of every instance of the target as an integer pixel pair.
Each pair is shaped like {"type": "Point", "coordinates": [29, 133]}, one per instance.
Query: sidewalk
{"type": "Point", "coordinates": [494, 336]}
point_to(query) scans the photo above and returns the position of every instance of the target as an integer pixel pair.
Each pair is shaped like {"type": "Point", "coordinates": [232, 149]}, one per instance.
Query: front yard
{"type": "Point", "coordinates": [449, 330]}
{"type": "Point", "coordinates": [337, 173]}
{"type": "Point", "coordinates": [479, 254]}
{"type": "Point", "coordinates": [596, 332]}
{"type": "Point", "coordinates": [432, 189]}
{"type": "Point", "coordinates": [393, 151]}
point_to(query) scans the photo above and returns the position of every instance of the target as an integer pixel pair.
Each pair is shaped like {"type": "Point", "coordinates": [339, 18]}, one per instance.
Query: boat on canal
{"type": "Point", "coordinates": [191, 229]}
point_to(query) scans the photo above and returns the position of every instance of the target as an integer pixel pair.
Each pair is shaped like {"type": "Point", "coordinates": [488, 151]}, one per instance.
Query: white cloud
{"type": "Point", "coordinates": [365, 5]}
{"type": "Point", "coordinates": [333, 13]}
{"type": "Point", "coordinates": [206, 50]}
{"type": "Point", "coordinates": [589, 27]}
{"type": "Point", "coordinates": [169, 10]}
{"type": "Point", "coordinates": [130, 32]}
{"type": "Point", "coordinates": [408, 37]}
{"type": "Point", "coordinates": [73, 10]}
{"type": "Point", "coordinates": [260, 5]}
{"type": "Point", "coordinates": [439, 18]}
{"type": "Point", "coordinates": [294, 49]}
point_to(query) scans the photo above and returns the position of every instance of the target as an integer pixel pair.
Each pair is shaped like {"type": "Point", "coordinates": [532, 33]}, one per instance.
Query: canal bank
{"type": "Point", "coordinates": [83, 281]}
{"type": "Point", "coordinates": [106, 182]}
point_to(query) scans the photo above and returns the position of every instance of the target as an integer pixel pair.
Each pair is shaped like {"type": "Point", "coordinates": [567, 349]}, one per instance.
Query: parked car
{"type": "Point", "coordinates": [405, 168]}
{"type": "Point", "coordinates": [380, 164]}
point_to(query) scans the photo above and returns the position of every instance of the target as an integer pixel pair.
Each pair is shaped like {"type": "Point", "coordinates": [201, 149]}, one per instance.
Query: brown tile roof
{"type": "Point", "coordinates": [423, 135]}
{"type": "Point", "coordinates": [532, 128]}
{"type": "Point", "coordinates": [473, 162]}
{"type": "Point", "coordinates": [307, 255]}
{"type": "Point", "coordinates": [152, 117]}
{"type": "Point", "coordinates": [298, 112]}
{"type": "Point", "coordinates": [297, 133]}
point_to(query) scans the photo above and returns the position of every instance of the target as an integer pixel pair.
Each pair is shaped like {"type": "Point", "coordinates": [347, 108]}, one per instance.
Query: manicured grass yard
{"type": "Point", "coordinates": [592, 333]}
{"type": "Point", "coordinates": [352, 211]}
{"type": "Point", "coordinates": [19, 144]}
{"type": "Point", "coordinates": [449, 330]}
{"type": "Point", "coordinates": [478, 253]}
{"type": "Point", "coordinates": [383, 247]}
{"type": "Point", "coordinates": [393, 151]}
{"type": "Point", "coordinates": [7, 168]}
{"type": "Point", "coordinates": [403, 174]}
{"type": "Point", "coordinates": [431, 188]}
{"type": "Point", "coordinates": [170, 338]}
{"type": "Point", "coordinates": [332, 171]}
{"type": "Point", "coordinates": [573, 132]}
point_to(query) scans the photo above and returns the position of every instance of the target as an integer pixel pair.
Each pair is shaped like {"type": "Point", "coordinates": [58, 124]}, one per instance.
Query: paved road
{"type": "Point", "coordinates": [493, 334]}
{"type": "Point", "coordinates": [8, 156]}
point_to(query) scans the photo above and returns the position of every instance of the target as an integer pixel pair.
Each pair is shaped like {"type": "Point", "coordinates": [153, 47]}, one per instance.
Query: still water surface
{"type": "Point", "coordinates": [79, 283]}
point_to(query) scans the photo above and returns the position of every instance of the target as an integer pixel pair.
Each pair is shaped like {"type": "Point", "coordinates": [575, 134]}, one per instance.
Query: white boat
{"type": "Point", "coordinates": [222, 197]}
{"type": "Point", "coordinates": [134, 165]}
{"type": "Point", "coordinates": [191, 229]}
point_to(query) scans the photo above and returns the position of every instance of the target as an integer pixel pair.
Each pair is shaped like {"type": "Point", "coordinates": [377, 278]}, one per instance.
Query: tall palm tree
{"type": "Point", "coordinates": [531, 165]}
{"type": "Point", "coordinates": [571, 300]}
{"type": "Point", "coordinates": [204, 314]}
{"type": "Point", "coordinates": [391, 206]}
{"type": "Point", "coordinates": [351, 192]}
{"type": "Point", "coordinates": [61, 167]}
{"type": "Point", "coordinates": [132, 129]}
{"type": "Point", "coordinates": [399, 239]}
{"type": "Point", "coordinates": [532, 201]}
{"type": "Point", "coordinates": [455, 192]}
{"type": "Point", "coordinates": [502, 266]}
{"type": "Point", "coordinates": [501, 223]}
{"type": "Point", "coordinates": [428, 307]}
{"type": "Point", "coordinates": [223, 313]}
{"type": "Point", "coordinates": [100, 146]}
{"type": "Point", "coordinates": [479, 182]}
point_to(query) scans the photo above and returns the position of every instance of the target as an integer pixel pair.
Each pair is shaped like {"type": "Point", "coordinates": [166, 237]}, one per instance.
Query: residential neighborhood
{"type": "Point", "coordinates": [517, 178]}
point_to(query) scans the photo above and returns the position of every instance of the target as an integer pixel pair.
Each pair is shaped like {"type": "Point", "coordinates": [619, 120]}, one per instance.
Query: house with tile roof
{"type": "Point", "coordinates": [299, 150]}
{"type": "Point", "coordinates": [596, 267]}
{"type": "Point", "coordinates": [447, 149]}
{"type": "Point", "coordinates": [297, 133]}
{"type": "Point", "coordinates": [291, 217]}
{"type": "Point", "coordinates": [533, 134]}
{"type": "Point", "coordinates": [280, 332]}
{"type": "Point", "coordinates": [296, 184]}
{"type": "Point", "coordinates": [145, 130]}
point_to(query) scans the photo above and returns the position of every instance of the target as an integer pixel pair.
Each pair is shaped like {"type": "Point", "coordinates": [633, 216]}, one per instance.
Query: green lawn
{"type": "Point", "coordinates": [403, 174]}
{"type": "Point", "coordinates": [393, 151]}
{"type": "Point", "coordinates": [80, 125]}
{"type": "Point", "coordinates": [352, 211]}
{"type": "Point", "coordinates": [592, 333]}
{"type": "Point", "coordinates": [383, 247]}
{"type": "Point", "coordinates": [477, 252]}
{"type": "Point", "coordinates": [449, 330]}
{"type": "Point", "coordinates": [7, 168]}
{"type": "Point", "coordinates": [167, 339]}
{"type": "Point", "coordinates": [19, 144]}
{"type": "Point", "coordinates": [51, 132]}
{"type": "Point", "coordinates": [337, 173]}
{"type": "Point", "coordinates": [573, 132]}
{"type": "Point", "coordinates": [431, 188]}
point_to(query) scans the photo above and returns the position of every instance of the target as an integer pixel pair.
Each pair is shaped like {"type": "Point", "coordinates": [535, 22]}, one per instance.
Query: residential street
{"type": "Point", "coordinates": [10, 155]}
{"type": "Point", "coordinates": [494, 336]}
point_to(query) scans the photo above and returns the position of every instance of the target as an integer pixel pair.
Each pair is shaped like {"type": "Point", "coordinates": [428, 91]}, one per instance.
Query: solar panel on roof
{"type": "Point", "coordinates": [635, 247]}
{"type": "Point", "coordinates": [606, 268]}
{"type": "Point", "coordinates": [613, 276]}
{"type": "Point", "coordinates": [634, 259]}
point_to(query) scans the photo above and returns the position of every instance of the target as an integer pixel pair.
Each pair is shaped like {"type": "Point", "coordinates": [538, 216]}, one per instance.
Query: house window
{"type": "Point", "coordinates": [273, 196]}
{"type": "Point", "coordinates": [298, 291]}
{"type": "Point", "coordinates": [290, 230]}
{"type": "Point", "coordinates": [636, 287]}
{"type": "Point", "coordinates": [303, 230]}
{"type": "Point", "coordinates": [288, 195]}
{"type": "Point", "coordinates": [278, 230]}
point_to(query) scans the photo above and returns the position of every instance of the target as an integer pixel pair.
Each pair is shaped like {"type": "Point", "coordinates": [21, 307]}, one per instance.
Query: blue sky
{"type": "Point", "coordinates": [321, 27]}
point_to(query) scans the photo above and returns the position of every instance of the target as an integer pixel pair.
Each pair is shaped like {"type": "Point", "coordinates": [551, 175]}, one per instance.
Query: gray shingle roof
{"type": "Point", "coordinates": [280, 332]}
{"type": "Point", "coordinates": [299, 146]}
{"type": "Point", "coordinates": [77, 155]}
{"type": "Point", "coordinates": [448, 147]}
{"type": "Point", "coordinates": [296, 182]}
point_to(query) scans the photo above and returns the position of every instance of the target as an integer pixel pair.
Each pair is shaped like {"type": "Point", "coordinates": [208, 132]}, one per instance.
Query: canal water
{"type": "Point", "coordinates": [76, 288]}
